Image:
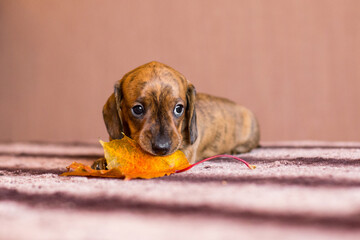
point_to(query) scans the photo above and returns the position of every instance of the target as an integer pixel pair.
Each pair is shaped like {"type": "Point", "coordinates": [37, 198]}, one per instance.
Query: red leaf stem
{"type": "Point", "coordinates": [216, 156]}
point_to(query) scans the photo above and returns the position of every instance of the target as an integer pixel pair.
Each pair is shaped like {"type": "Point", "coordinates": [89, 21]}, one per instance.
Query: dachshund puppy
{"type": "Point", "coordinates": [158, 107]}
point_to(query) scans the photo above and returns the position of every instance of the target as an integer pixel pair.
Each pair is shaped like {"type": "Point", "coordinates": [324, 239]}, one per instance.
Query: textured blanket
{"type": "Point", "coordinates": [299, 190]}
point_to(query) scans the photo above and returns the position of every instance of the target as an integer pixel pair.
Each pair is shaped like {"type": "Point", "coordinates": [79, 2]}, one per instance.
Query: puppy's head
{"type": "Point", "coordinates": [154, 105]}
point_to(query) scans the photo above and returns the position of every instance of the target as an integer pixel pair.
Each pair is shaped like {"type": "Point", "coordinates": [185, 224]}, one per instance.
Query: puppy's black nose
{"type": "Point", "coordinates": [161, 145]}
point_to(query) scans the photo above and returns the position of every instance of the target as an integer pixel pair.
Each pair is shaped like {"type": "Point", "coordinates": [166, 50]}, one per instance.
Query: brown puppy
{"type": "Point", "coordinates": [157, 107]}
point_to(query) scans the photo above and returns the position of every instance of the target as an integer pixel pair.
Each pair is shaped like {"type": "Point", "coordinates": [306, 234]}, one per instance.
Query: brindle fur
{"type": "Point", "coordinates": [209, 126]}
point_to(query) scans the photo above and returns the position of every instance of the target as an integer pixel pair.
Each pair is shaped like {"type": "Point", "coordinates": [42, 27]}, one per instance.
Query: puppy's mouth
{"type": "Point", "coordinates": [159, 149]}
{"type": "Point", "coordinates": [164, 144]}
{"type": "Point", "coordinates": [158, 145]}
{"type": "Point", "coordinates": [158, 152]}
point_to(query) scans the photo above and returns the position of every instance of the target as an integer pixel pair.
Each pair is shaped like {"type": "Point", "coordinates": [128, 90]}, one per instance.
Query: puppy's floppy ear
{"type": "Point", "coordinates": [191, 113]}
{"type": "Point", "coordinates": [112, 114]}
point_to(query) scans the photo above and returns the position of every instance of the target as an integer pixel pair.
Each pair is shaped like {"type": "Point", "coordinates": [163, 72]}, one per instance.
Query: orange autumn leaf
{"type": "Point", "coordinates": [79, 169]}
{"type": "Point", "coordinates": [125, 159]}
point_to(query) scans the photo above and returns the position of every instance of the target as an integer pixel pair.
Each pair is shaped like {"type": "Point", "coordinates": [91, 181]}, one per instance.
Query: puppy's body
{"type": "Point", "coordinates": [157, 107]}
{"type": "Point", "coordinates": [223, 127]}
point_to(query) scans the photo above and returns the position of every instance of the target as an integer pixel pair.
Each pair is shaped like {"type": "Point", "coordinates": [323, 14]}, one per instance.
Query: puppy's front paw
{"type": "Point", "coordinates": [99, 164]}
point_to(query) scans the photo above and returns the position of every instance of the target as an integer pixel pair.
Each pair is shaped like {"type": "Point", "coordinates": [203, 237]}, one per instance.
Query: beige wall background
{"type": "Point", "coordinates": [295, 63]}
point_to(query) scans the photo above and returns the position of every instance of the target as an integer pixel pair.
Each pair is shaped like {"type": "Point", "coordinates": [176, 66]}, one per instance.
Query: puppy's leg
{"type": "Point", "coordinates": [244, 148]}
{"type": "Point", "coordinates": [99, 164]}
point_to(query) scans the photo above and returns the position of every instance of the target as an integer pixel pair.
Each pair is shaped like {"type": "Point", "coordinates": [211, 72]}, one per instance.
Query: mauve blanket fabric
{"type": "Point", "coordinates": [299, 190]}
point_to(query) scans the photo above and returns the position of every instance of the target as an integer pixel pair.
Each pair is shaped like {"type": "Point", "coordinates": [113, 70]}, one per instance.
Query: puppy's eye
{"type": "Point", "coordinates": [178, 110]}
{"type": "Point", "coordinates": [138, 110]}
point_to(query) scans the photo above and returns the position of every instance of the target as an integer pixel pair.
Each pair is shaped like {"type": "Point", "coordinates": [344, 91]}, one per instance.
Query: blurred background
{"type": "Point", "coordinates": [295, 63]}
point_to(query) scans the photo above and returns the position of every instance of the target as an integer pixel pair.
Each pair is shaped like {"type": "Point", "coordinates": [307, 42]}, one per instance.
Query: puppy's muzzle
{"type": "Point", "coordinates": [161, 144]}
